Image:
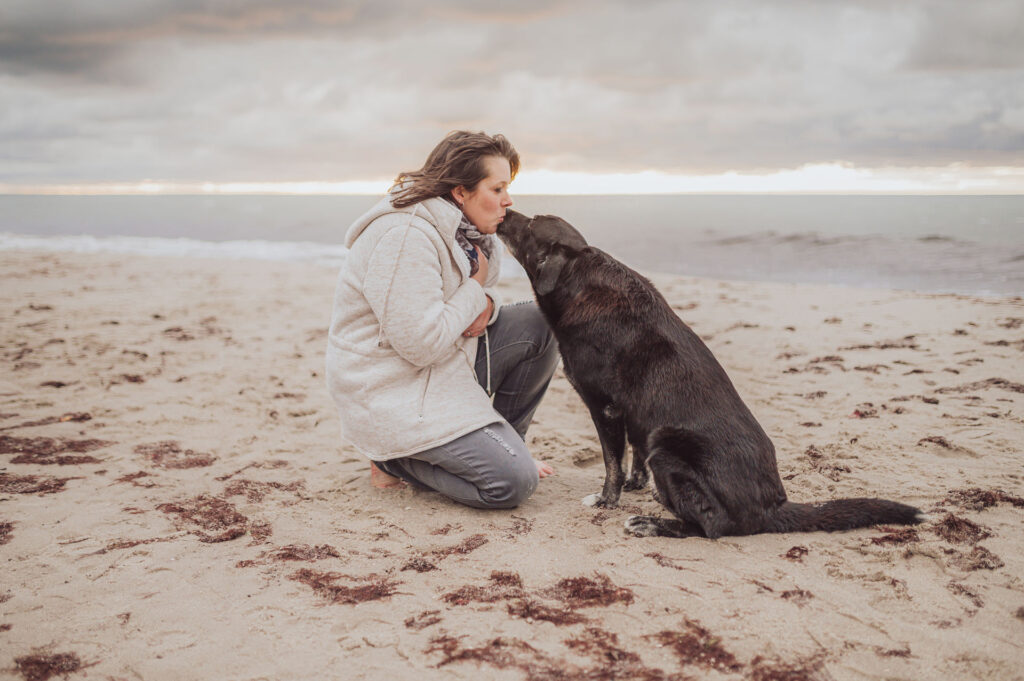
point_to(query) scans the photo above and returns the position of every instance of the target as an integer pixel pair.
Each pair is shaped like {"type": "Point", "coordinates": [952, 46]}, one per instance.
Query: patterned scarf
{"type": "Point", "coordinates": [467, 236]}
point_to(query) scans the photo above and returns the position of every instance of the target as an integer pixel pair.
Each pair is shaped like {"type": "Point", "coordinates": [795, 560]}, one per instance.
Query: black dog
{"type": "Point", "coordinates": [647, 377]}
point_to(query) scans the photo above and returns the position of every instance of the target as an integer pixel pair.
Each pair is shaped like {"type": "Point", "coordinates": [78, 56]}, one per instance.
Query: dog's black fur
{"type": "Point", "coordinates": [646, 377]}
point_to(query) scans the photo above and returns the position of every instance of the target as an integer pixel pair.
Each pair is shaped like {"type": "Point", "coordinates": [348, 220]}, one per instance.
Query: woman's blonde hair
{"type": "Point", "coordinates": [457, 160]}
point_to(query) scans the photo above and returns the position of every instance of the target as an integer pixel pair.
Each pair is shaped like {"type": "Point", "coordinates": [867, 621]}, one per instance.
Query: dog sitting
{"type": "Point", "coordinates": [646, 377]}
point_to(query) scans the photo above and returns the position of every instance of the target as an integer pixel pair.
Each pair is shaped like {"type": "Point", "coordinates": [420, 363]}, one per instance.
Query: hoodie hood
{"type": "Point", "coordinates": [440, 213]}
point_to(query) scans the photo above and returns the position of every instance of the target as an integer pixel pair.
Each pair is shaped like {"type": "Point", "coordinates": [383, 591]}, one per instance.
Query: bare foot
{"type": "Point", "coordinates": [543, 469]}
{"type": "Point", "coordinates": [382, 480]}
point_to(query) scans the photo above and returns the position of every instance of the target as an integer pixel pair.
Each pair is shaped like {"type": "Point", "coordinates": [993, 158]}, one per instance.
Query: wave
{"type": "Point", "coordinates": [328, 255]}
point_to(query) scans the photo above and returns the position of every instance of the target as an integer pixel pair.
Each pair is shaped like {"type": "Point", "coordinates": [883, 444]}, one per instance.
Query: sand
{"type": "Point", "coordinates": [175, 501]}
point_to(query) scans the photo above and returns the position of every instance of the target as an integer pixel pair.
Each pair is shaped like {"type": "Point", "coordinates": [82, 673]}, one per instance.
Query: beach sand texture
{"type": "Point", "coordinates": [175, 501]}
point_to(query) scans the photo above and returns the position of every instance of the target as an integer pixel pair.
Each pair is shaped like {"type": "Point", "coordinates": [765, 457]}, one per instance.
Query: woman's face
{"type": "Point", "coordinates": [485, 206]}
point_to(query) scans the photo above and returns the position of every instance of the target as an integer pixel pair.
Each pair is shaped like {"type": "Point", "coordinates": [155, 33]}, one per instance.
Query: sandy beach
{"type": "Point", "coordinates": [176, 503]}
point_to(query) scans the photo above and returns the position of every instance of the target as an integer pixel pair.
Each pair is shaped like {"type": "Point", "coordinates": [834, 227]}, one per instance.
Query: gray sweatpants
{"type": "Point", "coordinates": [491, 467]}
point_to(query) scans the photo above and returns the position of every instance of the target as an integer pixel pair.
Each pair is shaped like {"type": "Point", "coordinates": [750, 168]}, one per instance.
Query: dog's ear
{"type": "Point", "coordinates": [548, 269]}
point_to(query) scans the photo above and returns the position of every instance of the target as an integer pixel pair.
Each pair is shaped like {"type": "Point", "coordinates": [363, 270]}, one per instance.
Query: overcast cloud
{"type": "Point", "coordinates": [192, 91]}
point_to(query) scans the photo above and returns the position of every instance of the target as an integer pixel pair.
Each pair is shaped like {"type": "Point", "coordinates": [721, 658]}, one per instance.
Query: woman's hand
{"type": "Point", "coordinates": [480, 323]}
{"type": "Point", "coordinates": [481, 273]}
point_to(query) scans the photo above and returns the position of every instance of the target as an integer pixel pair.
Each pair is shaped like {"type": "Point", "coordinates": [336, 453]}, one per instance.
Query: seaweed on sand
{"type": "Point", "coordinates": [977, 499]}
{"type": "Point", "coordinates": [695, 645]}
{"type": "Point", "coordinates": [45, 450]}
{"type": "Point", "coordinates": [169, 454]}
{"type": "Point", "coordinates": [215, 519]}
{"type": "Point", "coordinates": [323, 584]}
{"type": "Point", "coordinates": [31, 484]}
{"type": "Point", "coordinates": [958, 530]}
{"type": "Point", "coordinates": [583, 592]}
{"type": "Point", "coordinates": [40, 667]}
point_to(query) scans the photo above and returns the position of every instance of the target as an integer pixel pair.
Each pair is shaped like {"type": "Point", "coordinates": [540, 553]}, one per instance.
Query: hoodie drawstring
{"type": "Point", "coordinates": [487, 349]}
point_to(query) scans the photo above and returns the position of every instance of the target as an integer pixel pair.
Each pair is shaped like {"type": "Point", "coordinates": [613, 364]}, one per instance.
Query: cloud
{"type": "Point", "coordinates": [188, 90]}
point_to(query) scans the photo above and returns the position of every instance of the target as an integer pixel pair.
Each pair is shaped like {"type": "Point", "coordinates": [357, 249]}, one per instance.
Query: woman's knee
{"type": "Point", "coordinates": [517, 478]}
{"type": "Point", "coordinates": [513, 488]}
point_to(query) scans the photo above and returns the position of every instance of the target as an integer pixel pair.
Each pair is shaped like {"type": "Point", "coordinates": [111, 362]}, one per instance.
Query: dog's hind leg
{"type": "Point", "coordinates": [653, 526]}
{"type": "Point", "coordinates": [611, 431]}
{"type": "Point", "coordinates": [638, 474]}
{"type": "Point", "coordinates": [682, 485]}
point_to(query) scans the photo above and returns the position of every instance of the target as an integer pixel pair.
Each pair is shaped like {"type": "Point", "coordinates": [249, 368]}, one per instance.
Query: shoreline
{"type": "Point", "coordinates": [333, 255]}
{"type": "Point", "coordinates": [175, 495]}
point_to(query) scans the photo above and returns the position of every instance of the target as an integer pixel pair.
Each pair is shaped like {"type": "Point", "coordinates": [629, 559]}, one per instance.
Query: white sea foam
{"type": "Point", "coordinates": [330, 255]}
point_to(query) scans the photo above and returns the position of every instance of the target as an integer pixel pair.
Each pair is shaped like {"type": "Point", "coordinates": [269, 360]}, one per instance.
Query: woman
{"type": "Point", "coordinates": [419, 341]}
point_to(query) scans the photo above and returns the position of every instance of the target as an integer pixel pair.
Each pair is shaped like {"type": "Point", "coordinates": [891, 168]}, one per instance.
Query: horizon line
{"type": "Point", "coordinates": [811, 179]}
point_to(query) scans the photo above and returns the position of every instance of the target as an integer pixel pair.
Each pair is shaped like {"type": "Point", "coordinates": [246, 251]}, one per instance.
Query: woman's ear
{"type": "Point", "coordinates": [459, 194]}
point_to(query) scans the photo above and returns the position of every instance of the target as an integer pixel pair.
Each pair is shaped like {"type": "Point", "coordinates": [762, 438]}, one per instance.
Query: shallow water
{"type": "Point", "coordinates": [961, 244]}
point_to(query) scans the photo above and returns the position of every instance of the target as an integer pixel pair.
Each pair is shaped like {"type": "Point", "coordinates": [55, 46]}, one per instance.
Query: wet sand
{"type": "Point", "coordinates": [175, 501]}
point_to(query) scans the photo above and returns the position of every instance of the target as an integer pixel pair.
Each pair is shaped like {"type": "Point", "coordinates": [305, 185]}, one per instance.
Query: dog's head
{"type": "Point", "coordinates": [543, 245]}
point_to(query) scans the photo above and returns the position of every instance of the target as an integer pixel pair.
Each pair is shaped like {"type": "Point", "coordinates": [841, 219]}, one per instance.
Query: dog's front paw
{"type": "Point", "coordinates": [636, 481]}
{"type": "Point", "coordinates": [596, 501]}
{"type": "Point", "coordinates": [641, 526]}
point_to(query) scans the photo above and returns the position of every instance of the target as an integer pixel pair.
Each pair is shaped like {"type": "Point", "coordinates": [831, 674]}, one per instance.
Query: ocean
{"type": "Point", "coordinates": [943, 244]}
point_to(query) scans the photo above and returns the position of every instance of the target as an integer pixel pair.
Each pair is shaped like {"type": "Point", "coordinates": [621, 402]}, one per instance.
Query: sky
{"type": "Point", "coordinates": [598, 96]}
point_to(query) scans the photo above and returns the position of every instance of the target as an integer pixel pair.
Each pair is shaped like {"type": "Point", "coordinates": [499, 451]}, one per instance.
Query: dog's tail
{"type": "Point", "coordinates": [841, 514]}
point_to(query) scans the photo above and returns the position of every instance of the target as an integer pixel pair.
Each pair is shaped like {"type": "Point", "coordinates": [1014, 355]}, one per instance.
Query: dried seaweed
{"type": "Point", "coordinates": [979, 558]}
{"type": "Point", "coordinates": [5, 532]}
{"type": "Point", "coordinates": [419, 565]}
{"type": "Point", "coordinates": [763, 670]}
{"type": "Point", "coordinates": [612, 662]}
{"type": "Point", "coordinates": [423, 620]}
{"type": "Point", "coordinates": [169, 454]}
{"type": "Point", "coordinates": [322, 583]}
{"type": "Point", "coordinates": [896, 535]}
{"type": "Point", "coordinates": [963, 590]}
{"type": "Point", "coordinates": [520, 526]}
{"type": "Point", "coordinates": [798, 596]}
{"type": "Point", "coordinates": [209, 515]}
{"type": "Point", "coordinates": [583, 592]}
{"type": "Point", "coordinates": [134, 477]}
{"type": "Point", "coordinates": [44, 450]}
{"type": "Point", "coordinates": [958, 530]}
{"type": "Point", "coordinates": [977, 499]}
{"type": "Point", "coordinates": [503, 586]}
{"type": "Point", "coordinates": [665, 561]}
{"type": "Point", "coordinates": [796, 553]}
{"type": "Point", "coordinates": [981, 385]}
{"type": "Point", "coordinates": [529, 609]}
{"type": "Point", "coordinates": [255, 491]}
{"type": "Point", "coordinates": [41, 667]}
{"type": "Point", "coordinates": [31, 484]}
{"type": "Point", "coordinates": [907, 342]}
{"type": "Point", "coordinates": [465, 546]}
{"type": "Point", "coordinates": [695, 645]}
{"type": "Point", "coordinates": [131, 543]}
{"type": "Point", "coordinates": [304, 552]}
{"type": "Point", "coordinates": [71, 417]}
{"type": "Point", "coordinates": [260, 532]}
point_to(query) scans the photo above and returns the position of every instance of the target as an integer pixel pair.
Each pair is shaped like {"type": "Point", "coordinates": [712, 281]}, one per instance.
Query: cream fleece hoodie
{"type": "Point", "coordinates": [398, 367]}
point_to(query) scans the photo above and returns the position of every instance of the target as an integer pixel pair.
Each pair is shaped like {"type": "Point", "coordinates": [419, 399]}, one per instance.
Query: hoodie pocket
{"type": "Point", "coordinates": [423, 394]}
